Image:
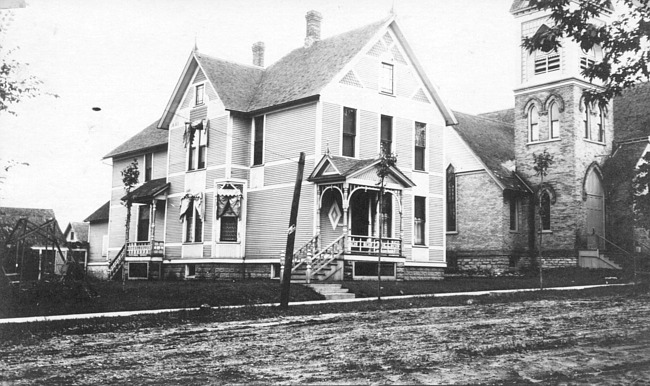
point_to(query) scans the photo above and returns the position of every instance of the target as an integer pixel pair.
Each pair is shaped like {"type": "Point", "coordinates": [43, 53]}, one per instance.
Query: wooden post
{"type": "Point", "coordinates": [291, 235]}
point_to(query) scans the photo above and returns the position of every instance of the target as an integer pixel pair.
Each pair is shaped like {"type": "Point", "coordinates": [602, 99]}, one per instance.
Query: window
{"type": "Point", "coordinates": [546, 62]}
{"type": "Point", "coordinates": [138, 270]}
{"type": "Point", "coordinates": [386, 80]}
{"type": "Point", "coordinates": [143, 223]}
{"type": "Point", "coordinates": [545, 211]}
{"type": "Point", "coordinates": [349, 131]}
{"type": "Point", "coordinates": [193, 225]}
{"type": "Point", "coordinates": [514, 214]}
{"type": "Point", "coordinates": [198, 149]}
{"type": "Point", "coordinates": [554, 119]}
{"type": "Point", "coordinates": [451, 199]}
{"type": "Point", "coordinates": [533, 124]}
{"type": "Point", "coordinates": [199, 94]}
{"type": "Point", "coordinates": [419, 220]}
{"type": "Point", "coordinates": [190, 270]}
{"type": "Point", "coordinates": [386, 134]}
{"type": "Point", "coordinates": [148, 167]}
{"type": "Point", "coordinates": [420, 145]}
{"type": "Point", "coordinates": [598, 133]}
{"type": "Point", "coordinates": [71, 235]}
{"type": "Point", "coordinates": [258, 145]}
{"type": "Point", "coordinates": [385, 217]}
{"type": "Point", "coordinates": [228, 228]}
{"type": "Point", "coordinates": [585, 120]}
{"type": "Point", "coordinates": [591, 57]}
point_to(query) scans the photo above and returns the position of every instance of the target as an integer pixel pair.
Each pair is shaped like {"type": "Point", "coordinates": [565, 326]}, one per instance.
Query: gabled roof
{"type": "Point", "coordinates": [337, 169]}
{"type": "Point", "coordinates": [299, 76]}
{"type": "Point", "coordinates": [493, 141]}
{"type": "Point", "coordinates": [149, 190]}
{"type": "Point", "coordinates": [149, 138]}
{"type": "Point", "coordinates": [10, 216]}
{"type": "Point", "coordinates": [100, 214]}
{"type": "Point", "coordinates": [631, 118]}
{"type": "Point", "coordinates": [80, 230]}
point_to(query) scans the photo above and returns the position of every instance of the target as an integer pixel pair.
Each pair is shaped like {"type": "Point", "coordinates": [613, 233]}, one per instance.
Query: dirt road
{"type": "Point", "coordinates": [603, 341]}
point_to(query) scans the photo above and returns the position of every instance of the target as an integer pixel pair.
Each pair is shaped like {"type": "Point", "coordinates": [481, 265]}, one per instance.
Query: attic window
{"type": "Point", "coordinates": [199, 94]}
{"type": "Point", "coordinates": [386, 81]}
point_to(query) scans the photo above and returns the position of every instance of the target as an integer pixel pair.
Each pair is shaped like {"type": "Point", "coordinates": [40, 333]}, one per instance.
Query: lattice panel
{"type": "Point", "coordinates": [351, 80]}
{"type": "Point", "coordinates": [421, 97]}
{"type": "Point", "coordinates": [377, 49]}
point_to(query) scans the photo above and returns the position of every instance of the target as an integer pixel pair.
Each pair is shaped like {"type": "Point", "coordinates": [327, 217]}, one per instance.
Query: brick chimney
{"type": "Point", "coordinates": [258, 54]}
{"type": "Point", "coordinates": [313, 27]}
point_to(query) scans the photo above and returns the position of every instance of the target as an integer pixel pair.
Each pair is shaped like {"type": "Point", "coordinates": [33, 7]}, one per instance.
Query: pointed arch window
{"type": "Point", "coordinates": [585, 120]}
{"type": "Point", "coordinates": [554, 120]}
{"type": "Point", "coordinates": [451, 199]}
{"type": "Point", "coordinates": [533, 124]}
{"type": "Point", "coordinates": [598, 133]}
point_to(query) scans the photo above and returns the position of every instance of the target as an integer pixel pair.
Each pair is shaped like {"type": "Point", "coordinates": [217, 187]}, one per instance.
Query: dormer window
{"type": "Point", "coordinates": [200, 88]}
{"type": "Point", "coordinates": [386, 79]}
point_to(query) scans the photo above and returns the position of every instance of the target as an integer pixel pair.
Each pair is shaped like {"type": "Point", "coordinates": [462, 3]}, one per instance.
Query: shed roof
{"type": "Point", "coordinates": [149, 190]}
{"type": "Point", "coordinates": [101, 214]}
{"type": "Point", "coordinates": [149, 138]}
{"type": "Point", "coordinates": [493, 142]}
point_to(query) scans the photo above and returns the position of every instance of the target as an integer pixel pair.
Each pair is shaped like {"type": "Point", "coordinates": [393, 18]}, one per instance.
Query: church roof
{"type": "Point", "coordinates": [524, 5]}
{"type": "Point", "coordinates": [493, 141]}
{"type": "Point", "coordinates": [148, 138]}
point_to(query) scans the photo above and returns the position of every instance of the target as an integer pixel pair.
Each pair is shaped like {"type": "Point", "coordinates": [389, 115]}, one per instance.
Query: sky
{"type": "Point", "coordinates": [126, 56]}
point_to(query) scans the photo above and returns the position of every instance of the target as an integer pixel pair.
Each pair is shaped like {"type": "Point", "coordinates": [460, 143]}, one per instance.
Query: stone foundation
{"type": "Point", "coordinates": [497, 263]}
{"type": "Point", "coordinates": [422, 273]}
{"type": "Point", "coordinates": [213, 271]}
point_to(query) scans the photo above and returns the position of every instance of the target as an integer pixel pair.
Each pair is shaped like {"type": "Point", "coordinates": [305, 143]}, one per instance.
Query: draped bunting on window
{"type": "Point", "coordinates": [228, 201]}
{"type": "Point", "coordinates": [185, 204]}
{"type": "Point", "coordinates": [190, 131]}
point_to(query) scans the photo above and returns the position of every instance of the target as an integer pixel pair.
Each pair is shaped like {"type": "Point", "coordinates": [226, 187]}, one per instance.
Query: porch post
{"type": "Point", "coordinates": [346, 204]}
{"type": "Point", "coordinates": [152, 226]}
{"type": "Point", "coordinates": [401, 227]}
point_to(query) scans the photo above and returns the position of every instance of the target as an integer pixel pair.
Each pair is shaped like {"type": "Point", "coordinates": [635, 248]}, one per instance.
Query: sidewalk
{"type": "Point", "coordinates": [32, 319]}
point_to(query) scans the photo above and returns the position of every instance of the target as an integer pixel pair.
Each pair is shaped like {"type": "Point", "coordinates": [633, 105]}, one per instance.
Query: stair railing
{"type": "Point", "coordinates": [625, 253]}
{"type": "Point", "coordinates": [117, 262]}
{"type": "Point", "coordinates": [300, 257]}
{"type": "Point", "coordinates": [327, 255]}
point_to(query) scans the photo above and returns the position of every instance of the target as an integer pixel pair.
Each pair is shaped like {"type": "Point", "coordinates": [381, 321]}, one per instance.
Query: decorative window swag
{"type": "Point", "coordinates": [192, 127]}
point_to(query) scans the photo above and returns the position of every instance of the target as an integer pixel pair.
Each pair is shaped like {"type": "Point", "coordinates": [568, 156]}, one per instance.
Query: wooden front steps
{"type": "Point", "coordinates": [332, 291]}
{"type": "Point", "coordinates": [595, 259]}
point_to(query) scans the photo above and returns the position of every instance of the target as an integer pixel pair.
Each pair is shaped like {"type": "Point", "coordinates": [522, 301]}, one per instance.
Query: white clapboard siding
{"type": "Point", "coordinates": [331, 128]}
{"type": "Point", "coordinates": [369, 134]}
{"type": "Point", "coordinates": [241, 141]}
{"type": "Point", "coordinates": [217, 141]}
{"type": "Point", "coordinates": [159, 165]}
{"type": "Point", "coordinates": [177, 152]}
{"type": "Point", "coordinates": [436, 221]}
{"type": "Point", "coordinates": [403, 142]}
{"type": "Point", "coordinates": [368, 71]}
{"type": "Point", "coordinates": [289, 132]}
{"type": "Point", "coordinates": [435, 147]}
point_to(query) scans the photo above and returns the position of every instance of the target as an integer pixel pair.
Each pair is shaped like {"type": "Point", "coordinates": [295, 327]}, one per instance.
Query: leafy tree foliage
{"type": "Point", "coordinates": [15, 86]}
{"type": "Point", "coordinates": [640, 185]}
{"type": "Point", "coordinates": [625, 41]}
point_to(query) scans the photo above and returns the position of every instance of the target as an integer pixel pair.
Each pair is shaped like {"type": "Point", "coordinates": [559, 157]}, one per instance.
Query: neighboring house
{"type": "Point", "coordinates": [40, 252]}
{"type": "Point", "coordinates": [76, 238]}
{"type": "Point", "coordinates": [98, 241]}
{"type": "Point", "coordinates": [224, 155]}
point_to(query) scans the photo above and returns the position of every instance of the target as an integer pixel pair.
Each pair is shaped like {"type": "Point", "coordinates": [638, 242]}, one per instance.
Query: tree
{"type": "Point", "coordinates": [625, 42]}
{"type": "Point", "coordinates": [386, 162]}
{"type": "Point", "coordinates": [541, 163]}
{"type": "Point", "coordinates": [640, 185]}
{"type": "Point", "coordinates": [130, 178]}
{"type": "Point", "coordinates": [15, 86]}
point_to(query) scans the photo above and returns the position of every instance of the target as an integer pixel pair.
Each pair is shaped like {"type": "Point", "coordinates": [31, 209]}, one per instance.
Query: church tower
{"type": "Point", "coordinates": [551, 115]}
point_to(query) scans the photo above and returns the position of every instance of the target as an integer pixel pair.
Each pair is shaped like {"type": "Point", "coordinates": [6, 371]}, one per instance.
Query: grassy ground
{"type": "Point", "coordinates": [564, 277]}
{"type": "Point", "coordinates": [57, 298]}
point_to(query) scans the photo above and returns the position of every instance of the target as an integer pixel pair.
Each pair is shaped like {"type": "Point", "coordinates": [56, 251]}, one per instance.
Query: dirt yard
{"type": "Point", "coordinates": [602, 341]}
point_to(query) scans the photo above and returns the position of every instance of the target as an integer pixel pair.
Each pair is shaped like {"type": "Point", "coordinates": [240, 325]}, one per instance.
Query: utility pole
{"type": "Point", "coordinates": [291, 236]}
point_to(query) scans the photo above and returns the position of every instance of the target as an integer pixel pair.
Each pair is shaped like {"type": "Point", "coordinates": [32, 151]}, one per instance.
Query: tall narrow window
{"type": "Point", "coordinates": [533, 124]}
{"type": "Point", "coordinates": [585, 120]}
{"type": "Point", "coordinates": [514, 214]}
{"type": "Point", "coordinates": [386, 85]}
{"type": "Point", "coordinates": [451, 199]}
{"type": "Point", "coordinates": [386, 134]}
{"type": "Point", "coordinates": [546, 211]}
{"type": "Point", "coordinates": [193, 225]}
{"type": "Point", "coordinates": [349, 131]}
{"type": "Point", "coordinates": [228, 230]}
{"type": "Point", "coordinates": [420, 145]}
{"type": "Point", "coordinates": [599, 132]}
{"type": "Point", "coordinates": [199, 94]}
{"type": "Point", "coordinates": [419, 220]}
{"type": "Point", "coordinates": [148, 167]}
{"type": "Point", "coordinates": [197, 150]}
{"type": "Point", "coordinates": [143, 223]}
{"type": "Point", "coordinates": [258, 145]}
{"type": "Point", "coordinates": [386, 216]}
{"type": "Point", "coordinates": [554, 118]}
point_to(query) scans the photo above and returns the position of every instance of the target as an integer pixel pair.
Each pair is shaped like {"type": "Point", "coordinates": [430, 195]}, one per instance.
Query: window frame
{"type": "Point", "coordinates": [387, 68]}
{"type": "Point", "coordinates": [345, 134]}
{"type": "Point", "coordinates": [258, 144]}
{"type": "Point", "coordinates": [143, 209]}
{"type": "Point", "coordinates": [533, 127]}
{"type": "Point", "coordinates": [197, 151]}
{"type": "Point", "coordinates": [420, 148]}
{"type": "Point", "coordinates": [514, 218]}
{"type": "Point", "coordinates": [382, 141]}
{"type": "Point", "coordinates": [586, 121]}
{"type": "Point", "coordinates": [221, 228]}
{"type": "Point", "coordinates": [451, 202]}
{"type": "Point", "coordinates": [148, 167]}
{"type": "Point", "coordinates": [554, 121]}
{"type": "Point", "coordinates": [192, 216]}
{"type": "Point", "coordinates": [190, 271]}
{"type": "Point", "coordinates": [545, 215]}
{"type": "Point", "coordinates": [199, 97]}
{"type": "Point", "coordinates": [423, 224]}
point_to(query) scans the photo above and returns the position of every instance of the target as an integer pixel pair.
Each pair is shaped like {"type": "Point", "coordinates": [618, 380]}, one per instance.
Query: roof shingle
{"type": "Point", "coordinates": [148, 138]}
{"type": "Point", "coordinates": [100, 214]}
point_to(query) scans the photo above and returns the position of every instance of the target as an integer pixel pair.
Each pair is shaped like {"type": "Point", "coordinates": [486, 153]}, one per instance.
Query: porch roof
{"type": "Point", "coordinates": [149, 190]}
{"type": "Point", "coordinates": [333, 168]}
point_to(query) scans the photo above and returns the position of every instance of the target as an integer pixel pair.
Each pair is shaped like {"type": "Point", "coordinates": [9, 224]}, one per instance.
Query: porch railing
{"type": "Point", "coordinates": [145, 249]}
{"type": "Point", "coordinates": [368, 245]}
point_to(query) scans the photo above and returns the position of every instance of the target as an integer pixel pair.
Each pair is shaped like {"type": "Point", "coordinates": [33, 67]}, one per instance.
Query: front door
{"type": "Point", "coordinates": [595, 204]}
{"type": "Point", "coordinates": [360, 204]}
{"type": "Point", "coordinates": [143, 223]}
